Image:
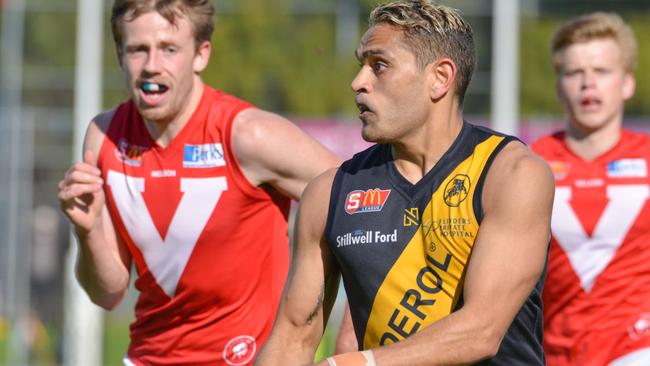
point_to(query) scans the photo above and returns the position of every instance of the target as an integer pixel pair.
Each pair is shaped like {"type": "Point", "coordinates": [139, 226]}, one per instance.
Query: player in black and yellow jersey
{"type": "Point", "coordinates": [440, 230]}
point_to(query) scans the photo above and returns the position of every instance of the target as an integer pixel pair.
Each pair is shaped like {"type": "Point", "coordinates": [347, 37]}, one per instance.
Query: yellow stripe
{"type": "Point", "coordinates": [425, 282]}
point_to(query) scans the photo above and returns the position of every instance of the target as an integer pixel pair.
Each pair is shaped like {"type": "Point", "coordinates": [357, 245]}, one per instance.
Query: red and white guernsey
{"type": "Point", "coordinates": [211, 250]}
{"type": "Point", "coordinates": [597, 294]}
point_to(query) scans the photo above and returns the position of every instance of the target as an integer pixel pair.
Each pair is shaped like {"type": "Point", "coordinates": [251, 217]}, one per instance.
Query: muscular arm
{"type": "Point", "coordinates": [272, 150]}
{"type": "Point", "coordinates": [103, 263]}
{"type": "Point", "coordinates": [311, 287]}
{"type": "Point", "coordinates": [506, 262]}
{"type": "Point", "coordinates": [346, 341]}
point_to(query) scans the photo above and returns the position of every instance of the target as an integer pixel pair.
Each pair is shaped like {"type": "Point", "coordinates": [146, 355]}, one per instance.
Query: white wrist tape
{"type": "Point", "coordinates": [370, 357]}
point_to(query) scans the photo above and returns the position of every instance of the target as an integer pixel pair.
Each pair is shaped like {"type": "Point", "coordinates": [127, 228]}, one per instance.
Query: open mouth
{"type": "Point", "coordinates": [588, 102]}
{"type": "Point", "coordinates": [362, 108]}
{"type": "Point", "coordinates": [153, 88]}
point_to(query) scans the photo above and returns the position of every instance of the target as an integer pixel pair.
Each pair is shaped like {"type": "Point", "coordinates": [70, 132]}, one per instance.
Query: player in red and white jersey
{"type": "Point", "coordinates": [597, 293]}
{"type": "Point", "coordinates": [193, 186]}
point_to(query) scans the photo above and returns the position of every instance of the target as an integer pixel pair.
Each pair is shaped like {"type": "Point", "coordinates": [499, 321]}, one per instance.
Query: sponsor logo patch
{"type": "Point", "coordinates": [627, 168]}
{"type": "Point", "coordinates": [372, 200]}
{"type": "Point", "coordinates": [203, 156]}
{"type": "Point", "coordinates": [560, 169]}
{"type": "Point", "coordinates": [411, 216]}
{"type": "Point", "coordinates": [163, 173]}
{"type": "Point", "coordinates": [239, 350]}
{"type": "Point", "coordinates": [457, 190]}
{"type": "Point", "coordinates": [589, 183]}
{"type": "Point", "coordinates": [128, 153]}
{"type": "Point", "coordinates": [365, 237]}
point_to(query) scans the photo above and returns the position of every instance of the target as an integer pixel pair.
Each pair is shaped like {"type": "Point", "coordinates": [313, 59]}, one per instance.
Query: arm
{"type": "Point", "coordinates": [506, 262]}
{"type": "Point", "coordinates": [311, 287]}
{"type": "Point", "coordinates": [346, 341]}
{"type": "Point", "coordinates": [272, 150]}
{"type": "Point", "coordinates": [103, 262]}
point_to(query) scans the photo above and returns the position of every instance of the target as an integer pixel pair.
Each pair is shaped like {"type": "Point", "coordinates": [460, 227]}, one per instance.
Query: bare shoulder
{"type": "Point", "coordinates": [314, 204]}
{"type": "Point", "coordinates": [320, 187]}
{"type": "Point", "coordinates": [259, 140]}
{"type": "Point", "coordinates": [271, 149]}
{"type": "Point", "coordinates": [517, 161]}
{"type": "Point", "coordinates": [96, 131]}
{"type": "Point", "coordinates": [518, 171]}
{"type": "Point", "coordinates": [253, 125]}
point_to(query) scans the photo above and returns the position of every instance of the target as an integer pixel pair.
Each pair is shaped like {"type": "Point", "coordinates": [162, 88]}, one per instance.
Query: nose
{"type": "Point", "coordinates": [360, 83]}
{"type": "Point", "coordinates": [588, 79]}
{"type": "Point", "coordinates": [152, 65]}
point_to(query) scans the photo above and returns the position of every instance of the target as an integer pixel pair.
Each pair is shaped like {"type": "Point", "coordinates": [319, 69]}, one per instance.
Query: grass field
{"type": "Point", "coordinates": [47, 346]}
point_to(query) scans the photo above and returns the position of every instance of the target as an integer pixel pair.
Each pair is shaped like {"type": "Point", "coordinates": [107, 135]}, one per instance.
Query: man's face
{"type": "Point", "coordinates": [391, 89]}
{"type": "Point", "coordinates": [593, 84]}
{"type": "Point", "coordinates": [161, 64]}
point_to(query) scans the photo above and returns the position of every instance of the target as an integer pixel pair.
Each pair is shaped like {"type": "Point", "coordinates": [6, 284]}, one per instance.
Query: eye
{"type": "Point", "coordinates": [136, 49]}
{"type": "Point", "coordinates": [572, 72]}
{"type": "Point", "coordinates": [378, 66]}
{"type": "Point", "coordinates": [170, 50]}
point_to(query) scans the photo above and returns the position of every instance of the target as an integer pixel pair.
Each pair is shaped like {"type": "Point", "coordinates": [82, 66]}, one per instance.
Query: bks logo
{"type": "Point", "coordinates": [372, 200]}
{"type": "Point", "coordinates": [203, 156]}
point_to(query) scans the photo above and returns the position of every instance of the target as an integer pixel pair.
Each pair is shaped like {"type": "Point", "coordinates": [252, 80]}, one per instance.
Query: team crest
{"type": "Point", "coordinates": [239, 350]}
{"type": "Point", "coordinates": [457, 190]}
{"type": "Point", "coordinates": [372, 200]}
{"type": "Point", "coordinates": [128, 153]}
{"type": "Point", "coordinates": [641, 328]}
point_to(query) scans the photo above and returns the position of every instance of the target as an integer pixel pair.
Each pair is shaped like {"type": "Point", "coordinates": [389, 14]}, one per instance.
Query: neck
{"type": "Point", "coordinates": [416, 154]}
{"type": "Point", "coordinates": [165, 130]}
{"type": "Point", "coordinates": [590, 144]}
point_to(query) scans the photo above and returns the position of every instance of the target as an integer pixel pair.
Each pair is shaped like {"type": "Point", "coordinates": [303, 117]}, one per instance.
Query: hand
{"type": "Point", "coordinates": [80, 193]}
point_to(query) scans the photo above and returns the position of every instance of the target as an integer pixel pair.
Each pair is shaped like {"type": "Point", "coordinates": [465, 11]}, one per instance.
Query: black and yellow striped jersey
{"type": "Point", "coordinates": [403, 248]}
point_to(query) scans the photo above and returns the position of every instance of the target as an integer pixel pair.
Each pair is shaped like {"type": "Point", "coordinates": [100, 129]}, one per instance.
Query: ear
{"type": "Point", "coordinates": [202, 56]}
{"type": "Point", "coordinates": [629, 86]}
{"type": "Point", "coordinates": [443, 74]}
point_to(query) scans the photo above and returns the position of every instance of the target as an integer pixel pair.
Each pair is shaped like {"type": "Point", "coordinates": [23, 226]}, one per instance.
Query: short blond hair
{"type": "Point", "coordinates": [595, 26]}
{"type": "Point", "coordinates": [200, 14]}
{"type": "Point", "coordinates": [432, 31]}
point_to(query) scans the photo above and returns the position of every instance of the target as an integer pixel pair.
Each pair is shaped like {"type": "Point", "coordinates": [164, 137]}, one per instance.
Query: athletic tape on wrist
{"type": "Point", "coordinates": [365, 358]}
{"type": "Point", "coordinates": [370, 357]}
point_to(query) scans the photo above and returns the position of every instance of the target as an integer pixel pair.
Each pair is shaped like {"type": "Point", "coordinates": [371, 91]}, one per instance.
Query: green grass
{"type": "Point", "coordinates": [115, 343]}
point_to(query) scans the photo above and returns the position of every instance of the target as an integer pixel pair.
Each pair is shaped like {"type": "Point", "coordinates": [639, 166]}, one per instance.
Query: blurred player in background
{"type": "Point", "coordinates": [597, 295]}
{"type": "Point", "coordinates": [192, 185]}
{"type": "Point", "coordinates": [440, 230]}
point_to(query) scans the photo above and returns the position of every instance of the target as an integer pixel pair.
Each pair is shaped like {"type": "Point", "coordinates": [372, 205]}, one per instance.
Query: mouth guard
{"type": "Point", "coordinates": [150, 87]}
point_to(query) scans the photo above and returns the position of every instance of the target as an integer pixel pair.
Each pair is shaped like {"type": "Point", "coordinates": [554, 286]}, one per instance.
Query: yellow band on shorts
{"type": "Point", "coordinates": [365, 358]}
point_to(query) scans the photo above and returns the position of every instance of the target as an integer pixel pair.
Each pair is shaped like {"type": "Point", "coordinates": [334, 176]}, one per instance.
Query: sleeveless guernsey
{"type": "Point", "coordinates": [403, 249]}
{"type": "Point", "coordinates": [210, 250]}
{"type": "Point", "coordinates": [597, 297]}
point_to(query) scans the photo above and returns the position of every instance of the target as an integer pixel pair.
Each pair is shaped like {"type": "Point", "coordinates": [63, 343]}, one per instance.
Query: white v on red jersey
{"type": "Point", "coordinates": [211, 250]}
{"type": "Point", "coordinates": [597, 293]}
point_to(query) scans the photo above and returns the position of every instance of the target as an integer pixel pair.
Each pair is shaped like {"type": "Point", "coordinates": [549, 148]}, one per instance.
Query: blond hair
{"type": "Point", "coordinates": [596, 26]}
{"type": "Point", "coordinates": [200, 14]}
{"type": "Point", "coordinates": [432, 31]}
